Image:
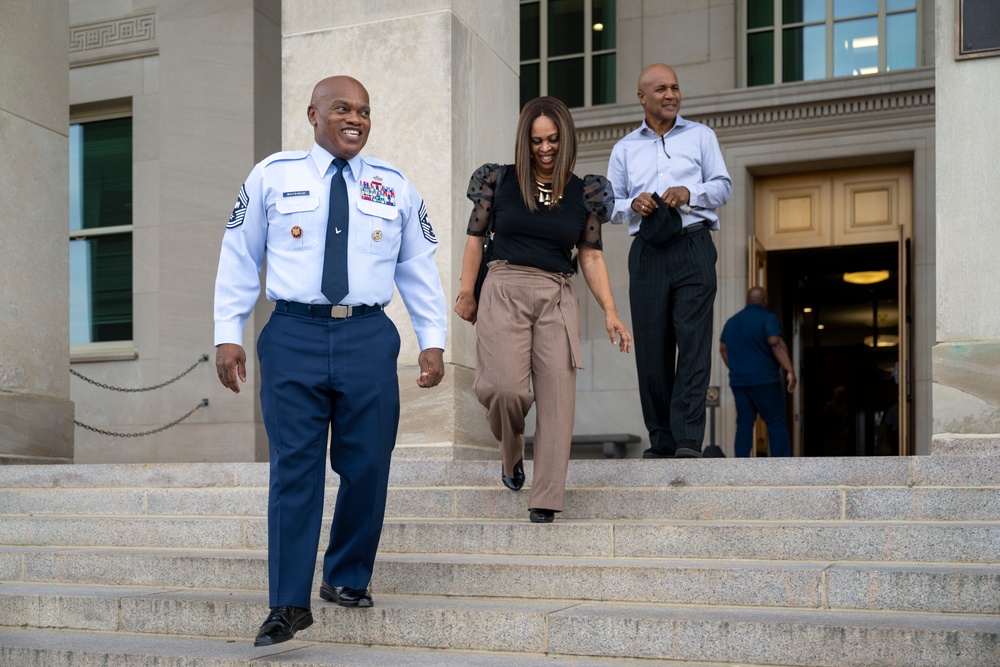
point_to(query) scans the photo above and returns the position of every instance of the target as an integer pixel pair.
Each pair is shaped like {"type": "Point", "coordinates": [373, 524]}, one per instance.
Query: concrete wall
{"type": "Point", "coordinates": [203, 83]}
{"type": "Point", "coordinates": [966, 369]}
{"type": "Point", "coordinates": [36, 415]}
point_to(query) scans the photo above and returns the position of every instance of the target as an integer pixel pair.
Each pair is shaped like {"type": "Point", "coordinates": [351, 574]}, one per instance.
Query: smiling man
{"type": "Point", "coordinates": [669, 178]}
{"type": "Point", "coordinates": [338, 231]}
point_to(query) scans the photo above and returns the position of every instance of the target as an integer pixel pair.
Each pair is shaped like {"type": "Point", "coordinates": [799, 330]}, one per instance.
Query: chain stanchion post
{"type": "Point", "coordinates": [712, 401]}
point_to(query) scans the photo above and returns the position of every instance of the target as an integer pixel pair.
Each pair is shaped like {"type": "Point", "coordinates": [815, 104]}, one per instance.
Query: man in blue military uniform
{"type": "Point", "coordinates": [337, 230]}
{"type": "Point", "coordinates": [752, 349]}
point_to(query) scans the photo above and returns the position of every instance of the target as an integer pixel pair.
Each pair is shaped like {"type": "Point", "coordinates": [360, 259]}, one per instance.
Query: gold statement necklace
{"type": "Point", "coordinates": [543, 193]}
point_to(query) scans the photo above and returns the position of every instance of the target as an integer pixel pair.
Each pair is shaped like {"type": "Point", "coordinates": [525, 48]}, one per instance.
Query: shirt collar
{"type": "Point", "coordinates": [323, 159]}
{"type": "Point", "coordinates": [647, 131]}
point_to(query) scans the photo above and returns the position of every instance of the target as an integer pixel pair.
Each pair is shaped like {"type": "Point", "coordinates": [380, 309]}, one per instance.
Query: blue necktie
{"type": "Point", "coordinates": [334, 284]}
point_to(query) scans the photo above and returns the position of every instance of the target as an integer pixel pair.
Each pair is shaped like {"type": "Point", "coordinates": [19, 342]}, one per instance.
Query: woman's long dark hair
{"type": "Point", "coordinates": [555, 109]}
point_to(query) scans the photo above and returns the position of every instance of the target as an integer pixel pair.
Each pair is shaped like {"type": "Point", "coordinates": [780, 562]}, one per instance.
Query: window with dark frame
{"type": "Point", "coordinates": [568, 50]}
{"type": "Point", "coordinates": [100, 230]}
{"type": "Point", "coordinates": [805, 40]}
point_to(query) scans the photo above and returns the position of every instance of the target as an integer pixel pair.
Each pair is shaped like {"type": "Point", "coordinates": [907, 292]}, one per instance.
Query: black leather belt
{"type": "Point", "coordinates": [693, 227]}
{"type": "Point", "coordinates": [324, 310]}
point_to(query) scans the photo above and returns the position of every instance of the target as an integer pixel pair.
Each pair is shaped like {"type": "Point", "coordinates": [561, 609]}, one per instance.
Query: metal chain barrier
{"type": "Point", "coordinates": [201, 360]}
{"type": "Point", "coordinates": [113, 434]}
{"type": "Point", "coordinates": [116, 434]}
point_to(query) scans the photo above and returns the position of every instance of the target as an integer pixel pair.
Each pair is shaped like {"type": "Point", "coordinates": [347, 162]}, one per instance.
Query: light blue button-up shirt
{"type": "Point", "coordinates": [688, 154]}
{"type": "Point", "coordinates": [281, 214]}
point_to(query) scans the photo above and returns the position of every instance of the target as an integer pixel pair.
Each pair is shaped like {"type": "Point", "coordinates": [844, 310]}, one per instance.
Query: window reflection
{"type": "Point", "coordinates": [855, 47]}
{"type": "Point", "coordinates": [901, 41]}
{"type": "Point", "coordinates": [804, 54]}
{"type": "Point", "coordinates": [803, 11]}
{"type": "Point", "coordinates": [848, 8]}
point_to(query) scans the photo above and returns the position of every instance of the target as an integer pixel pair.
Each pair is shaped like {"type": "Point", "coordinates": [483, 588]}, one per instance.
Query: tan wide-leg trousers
{"type": "Point", "coordinates": [528, 338]}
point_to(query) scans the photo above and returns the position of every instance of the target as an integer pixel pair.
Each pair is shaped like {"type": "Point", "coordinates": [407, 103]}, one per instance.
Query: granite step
{"type": "Point", "coordinates": [900, 541]}
{"type": "Point", "coordinates": [956, 471]}
{"type": "Point", "coordinates": [953, 588]}
{"type": "Point", "coordinates": [805, 637]}
{"type": "Point", "coordinates": [876, 503]}
{"type": "Point", "coordinates": [45, 648]}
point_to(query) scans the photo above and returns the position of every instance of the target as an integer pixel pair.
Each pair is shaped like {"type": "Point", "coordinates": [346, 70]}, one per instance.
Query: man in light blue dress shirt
{"type": "Point", "coordinates": [327, 369]}
{"type": "Point", "coordinates": [670, 170]}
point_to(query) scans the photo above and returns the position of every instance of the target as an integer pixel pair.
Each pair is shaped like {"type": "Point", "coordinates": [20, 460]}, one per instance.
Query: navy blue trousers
{"type": "Point", "coordinates": [323, 377]}
{"type": "Point", "coordinates": [671, 293]}
{"type": "Point", "coordinates": [768, 400]}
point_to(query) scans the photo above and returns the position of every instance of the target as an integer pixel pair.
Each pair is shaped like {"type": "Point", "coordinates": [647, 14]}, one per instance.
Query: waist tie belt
{"type": "Point", "coordinates": [324, 310]}
{"type": "Point", "coordinates": [568, 307]}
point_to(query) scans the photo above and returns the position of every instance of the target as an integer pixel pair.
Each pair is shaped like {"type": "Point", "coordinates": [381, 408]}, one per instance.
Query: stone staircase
{"type": "Point", "coordinates": [818, 562]}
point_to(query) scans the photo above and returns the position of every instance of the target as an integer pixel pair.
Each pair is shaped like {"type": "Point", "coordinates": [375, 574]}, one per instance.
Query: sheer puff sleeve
{"type": "Point", "coordinates": [599, 199]}
{"type": "Point", "coordinates": [481, 194]}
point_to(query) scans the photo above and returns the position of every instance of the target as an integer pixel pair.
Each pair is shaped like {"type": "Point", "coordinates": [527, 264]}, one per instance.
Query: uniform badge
{"type": "Point", "coordinates": [377, 235]}
{"type": "Point", "coordinates": [375, 191]}
{"type": "Point", "coordinates": [240, 210]}
{"type": "Point", "coordinates": [425, 224]}
{"type": "Point", "coordinates": [296, 231]}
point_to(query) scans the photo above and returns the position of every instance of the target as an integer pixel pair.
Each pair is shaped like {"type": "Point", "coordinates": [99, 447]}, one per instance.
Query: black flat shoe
{"type": "Point", "coordinates": [345, 597]}
{"type": "Point", "coordinates": [517, 481]}
{"type": "Point", "coordinates": [541, 516]}
{"type": "Point", "coordinates": [282, 624]}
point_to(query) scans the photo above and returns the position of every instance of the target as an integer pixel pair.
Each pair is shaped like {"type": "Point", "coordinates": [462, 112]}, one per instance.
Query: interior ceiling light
{"type": "Point", "coordinates": [864, 42]}
{"type": "Point", "coordinates": [820, 326]}
{"type": "Point", "coordinates": [807, 309]}
{"type": "Point", "coordinates": [884, 340]}
{"type": "Point", "coordinates": [598, 27]}
{"type": "Point", "coordinates": [866, 277]}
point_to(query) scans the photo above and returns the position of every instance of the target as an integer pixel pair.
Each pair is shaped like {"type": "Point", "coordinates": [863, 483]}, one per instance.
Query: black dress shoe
{"type": "Point", "coordinates": [538, 515]}
{"type": "Point", "coordinates": [688, 451]}
{"type": "Point", "coordinates": [517, 481]}
{"type": "Point", "coordinates": [713, 452]}
{"type": "Point", "coordinates": [345, 597]}
{"type": "Point", "coordinates": [282, 624]}
{"type": "Point", "coordinates": [657, 453]}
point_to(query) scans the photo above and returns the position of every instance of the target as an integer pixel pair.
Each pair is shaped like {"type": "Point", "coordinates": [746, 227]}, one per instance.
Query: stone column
{"type": "Point", "coordinates": [966, 358]}
{"type": "Point", "coordinates": [36, 415]}
{"type": "Point", "coordinates": [443, 80]}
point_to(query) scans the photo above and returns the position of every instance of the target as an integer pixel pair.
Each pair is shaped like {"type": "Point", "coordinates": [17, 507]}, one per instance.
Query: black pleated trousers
{"type": "Point", "coordinates": [671, 293]}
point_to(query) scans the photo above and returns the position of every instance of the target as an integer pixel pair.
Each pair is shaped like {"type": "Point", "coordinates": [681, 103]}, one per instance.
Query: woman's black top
{"type": "Point", "coordinates": [545, 238]}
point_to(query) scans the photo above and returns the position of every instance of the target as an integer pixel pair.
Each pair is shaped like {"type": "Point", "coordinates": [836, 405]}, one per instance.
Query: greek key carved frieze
{"type": "Point", "coordinates": [119, 32]}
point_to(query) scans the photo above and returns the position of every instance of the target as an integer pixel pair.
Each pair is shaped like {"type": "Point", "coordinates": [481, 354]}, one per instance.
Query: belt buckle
{"type": "Point", "coordinates": [340, 312]}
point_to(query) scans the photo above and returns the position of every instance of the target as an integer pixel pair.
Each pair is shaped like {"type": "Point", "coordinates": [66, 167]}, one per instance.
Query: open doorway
{"type": "Point", "coordinates": [841, 307]}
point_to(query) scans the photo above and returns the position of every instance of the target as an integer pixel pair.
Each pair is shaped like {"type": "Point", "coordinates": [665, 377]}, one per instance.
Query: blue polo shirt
{"type": "Point", "coordinates": [751, 360]}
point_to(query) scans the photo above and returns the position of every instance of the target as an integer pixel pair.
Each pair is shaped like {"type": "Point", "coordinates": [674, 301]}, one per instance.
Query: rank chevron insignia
{"type": "Point", "coordinates": [425, 224]}
{"type": "Point", "coordinates": [240, 210]}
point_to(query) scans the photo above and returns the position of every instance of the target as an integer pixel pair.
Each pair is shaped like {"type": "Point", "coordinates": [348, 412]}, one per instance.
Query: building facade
{"type": "Point", "coordinates": [828, 114]}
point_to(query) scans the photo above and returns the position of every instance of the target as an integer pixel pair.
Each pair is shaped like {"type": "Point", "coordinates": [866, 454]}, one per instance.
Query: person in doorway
{"type": "Point", "coordinates": [527, 318]}
{"type": "Point", "coordinates": [754, 352]}
{"type": "Point", "coordinates": [669, 180]}
{"type": "Point", "coordinates": [338, 230]}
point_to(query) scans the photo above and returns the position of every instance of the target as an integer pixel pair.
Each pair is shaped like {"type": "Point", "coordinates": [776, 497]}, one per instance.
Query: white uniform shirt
{"type": "Point", "coordinates": [281, 214]}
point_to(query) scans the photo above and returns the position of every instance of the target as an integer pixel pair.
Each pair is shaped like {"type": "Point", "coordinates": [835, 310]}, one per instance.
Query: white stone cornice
{"type": "Point", "coordinates": [117, 39]}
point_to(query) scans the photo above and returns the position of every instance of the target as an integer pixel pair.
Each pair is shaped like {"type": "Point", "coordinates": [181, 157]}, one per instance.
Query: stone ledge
{"type": "Point", "coordinates": [965, 444]}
